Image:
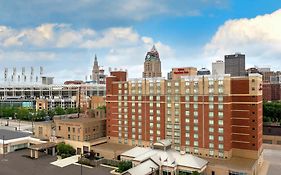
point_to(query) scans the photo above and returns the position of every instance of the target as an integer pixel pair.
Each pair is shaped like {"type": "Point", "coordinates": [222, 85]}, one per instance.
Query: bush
{"type": "Point", "coordinates": [65, 150]}
{"type": "Point", "coordinates": [124, 166]}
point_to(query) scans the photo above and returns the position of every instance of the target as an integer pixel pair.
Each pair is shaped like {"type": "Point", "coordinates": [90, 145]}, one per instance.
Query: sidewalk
{"type": "Point", "coordinates": [65, 162]}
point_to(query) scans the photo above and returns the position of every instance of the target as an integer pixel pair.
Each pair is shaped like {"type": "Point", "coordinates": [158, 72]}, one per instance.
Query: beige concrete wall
{"type": "Point", "coordinates": [46, 130]}
{"type": "Point", "coordinates": [274, 139]}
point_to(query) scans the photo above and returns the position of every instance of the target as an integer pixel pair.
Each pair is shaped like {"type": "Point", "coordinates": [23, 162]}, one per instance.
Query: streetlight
{"type": "Point", "coordinates": [3, 139]}
{"type": "Point", "coordinates": [82, 155]}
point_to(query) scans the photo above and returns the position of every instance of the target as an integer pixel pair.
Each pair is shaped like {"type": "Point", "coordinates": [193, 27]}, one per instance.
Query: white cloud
{"type": "Point", "coordinates": [259, 38]}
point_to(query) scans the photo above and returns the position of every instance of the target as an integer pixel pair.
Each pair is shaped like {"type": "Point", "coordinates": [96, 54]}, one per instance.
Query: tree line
{"type": "Point", "coordinates": [28, 114]}
{"type": "Point", "coordinates": [272, 112]}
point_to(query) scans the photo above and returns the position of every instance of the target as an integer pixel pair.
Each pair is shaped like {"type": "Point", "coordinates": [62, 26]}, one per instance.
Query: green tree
{"type": "Point", "coordinates": [22, 113]}
{"type": "Point", "coordinates": [71, 110]}
{"type": "Point", "coordinates": [65, 150]}
{"type": "Point", "coordinates": [40, 115]}
{"type": "Point", "coordinates": [59, 111]}
{"type": "Point", "coordinates": [124, 166]}
{"type": "Point", "coordinates": [195, 173]}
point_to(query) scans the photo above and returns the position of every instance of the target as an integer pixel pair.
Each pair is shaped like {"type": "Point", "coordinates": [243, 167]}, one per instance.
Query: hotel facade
{"type": "Point", "coordinates": [212, 116]}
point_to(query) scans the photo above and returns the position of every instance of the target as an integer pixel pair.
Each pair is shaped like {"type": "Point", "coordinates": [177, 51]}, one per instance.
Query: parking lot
{"type": "Point", "coordinates": [17, 163]}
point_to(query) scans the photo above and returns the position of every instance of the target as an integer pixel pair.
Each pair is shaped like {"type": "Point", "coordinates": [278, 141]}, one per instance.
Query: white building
{"type": "Point", "coordinates": [218, 68]}
{"type": "Point", "coordinates": [161, 159]}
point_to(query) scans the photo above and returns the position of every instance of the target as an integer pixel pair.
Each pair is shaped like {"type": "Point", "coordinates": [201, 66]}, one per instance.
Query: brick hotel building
{"type": "Point", "coordinates": [212, 116]}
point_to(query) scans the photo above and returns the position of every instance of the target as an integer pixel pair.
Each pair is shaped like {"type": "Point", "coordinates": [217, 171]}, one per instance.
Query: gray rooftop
{"type": "Point", "coordinates": [9, 135]}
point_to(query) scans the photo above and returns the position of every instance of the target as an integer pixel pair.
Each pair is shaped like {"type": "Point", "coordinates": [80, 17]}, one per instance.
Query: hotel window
{"type": "Point", "coordinates": [211, 114]}
{"type": "Point", "coordinates": [221, 130]}
{"type": "Point", "coordinates": [187, 135]}
{"type": "Point", "coordinates": [158, 112]}
{"type": "Point", "coordinates": [211, 122]}
{"type": "Point", "coordinates": [139, 104]}
{"type": "Point", "coordinates": [211, 82]}
{"type": "Point", "coordinates": [119, 122]}
{"type": "Point", "coordinates": [158, 118]}
{"type": "Point", "coordinates": [195, 113]}
{"type": "Point", "coordinates": [133, 123]}
{"type": "Point", "coordinates": [177, 134]}
{"type": "Point", "coordinates": [177, 112]}
{"type": "Point", "coordinates": [133, 117]}
{"type": "Point", "coordinates": [211, 152]}
{"type": "Point", "coordinates": [176, 98]}
{"type": "Point", "coordinates": [125, 98]}
{"type": "Point", "coordinates": [133, 97]}
{"type": "Point", "coordinates": [187, 83]}
{"type": "Point", "coordinates": [177, 105]}
{"type": "Point", "coordinates": [169, 126]}
{"type": "Point", "coordinates": [119, 116]}
{"type": "Point", "coordinates": [151, 84]}
{"type": "Point", "coordinates": [139, 137]}
{"type": "Point", "coordinates": [176, 83]}
{"type": "Point", "coordinates": [68, 129]}
{"type": "Point", "coordinates": [187, 105]}
{"type": "Point", "coordinates": [211, 137]}
{"type": "Point", "coordinates": [119, 85]}
{"type": "Point", "coordinates": [187, 142]}
{"type": "Point", "coordinates": [177, 141]}
{"type": "Point", "coordinates": [125, 110]}
{"type": "Point", "coordinates": [186, 98]}
{"type": "Point", "coordinates": [133, 104]}
{"type": "Point", "coordinates": [211, 106]}
{"type": "Point", "coordinates": [125, 104]}
{"type": "Point", "coordinates": [133, 131]}
{"type": "Point", "coordinates": [139, 84]}
{"type": "Point", "coordinates": [220, 106]}
{"type": "Point", "coordinates": [195, 128]}
{"type": "Point", "coordinates": [187, 91]}
{"type": "Point", "coordinates": [169, 91]}
{"type": "Point", "coordinates": [220, 98]}
{"type": "Point", "coordinates": [211, 90]}
{"type": "Point", "coordinates": [211, 98]}
{"type": "Point", "coordinates": [195, 136]}
{"type": "Point", "coordinates": [177, 126]}
{"type": "Point", "coordinates": [119, 91]}
{"type": "Point", "coordinates": [151, 132]}
{"type": "Point", "coordinates": [195, 91]}
{"type": "Point", "coordinates": [176, 91]}
{"type": "Point", "coordinates": [168, 98]}
{"type": "Point", "coordinates": [139, 111]}
{"type": "Point", "coordinates": [169, 119]}
{"type": "Point", "coordinates": [126, 129]}
{"type": "Point", "coordinates": [157, 97]}
{"type": "Point", "coordinates": [169, 133]}
{"type": "Point", "coordinates": [158, 126]}
{"type": "Point", "coordinates": [220, 122]}
{"type": "Point", "coordinates": [119, 104]}
{"type": "Point", "coordinates": [158, 105]}
{"type": "Point", "coordinates": [139, 97]}
{"type": "Point", "coordinates": [195, 106]}
{"type": "Point", "coordinates": [195, 98]}
{"type": "Point", "coordinates": [196, 150]}
{"type": "Point", "coordinates": [187, 150]}
{"type": "Point", "coordinates": [221, 154]}
{"type": "Point", "coordinates": [168, 111]}
{"type": "Point", "coordinates": [119, 97]}
{"type": "Point", "coordinates": [220, 82]}
{"type": "Point", "coordinates": [125, 91]}
{"type": "Point", "coordinates": [220, 89]}
{"type": "Point", "coordinates": [195, 121]}
{"type": "Point", "coordinates": [169, 105]}
{"type": "Point", "coordinates": [151, 91]}
{"type": "Point", "coordinates": [151, 118]}
{"type": "Point", "coordinates": [150, 97]}
{"type": "Point", "coordinates": [220, 146]}
{"type": "Point", "coordinates": [150, 104]}
{"type": "Point", "coordinates": [187, 128]}
{"type": "Point", "coordinates": [125, 122]}
{"type": "Point", "coordinates": [151, 111]}
{"type": "Point", "coordinates": [177, 120]}
{"type": "Point", "coordinates": [211, 145]}
{"type": "Point", "coordinates": [169, 84]}
{"type": "Point", "coordinates": [220, 138]}
{"type": "Point", "coordinates": [133, 92]}
{"type": "Point", "coordinates": [139, 118]}
{"type": "Point", "coordinates": [196, 143]}
{"type": "Point", "coordinates": [220, 114]}
{"type": "Point", "coordinates": [133, 85]}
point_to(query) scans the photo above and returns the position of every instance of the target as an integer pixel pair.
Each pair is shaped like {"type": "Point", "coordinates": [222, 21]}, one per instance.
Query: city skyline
{"type": "Point", "coordinates": [189, 33]}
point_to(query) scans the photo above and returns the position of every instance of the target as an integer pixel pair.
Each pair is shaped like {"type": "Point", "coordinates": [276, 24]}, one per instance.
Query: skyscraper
{"type": "Point", "coordinates": [218, 68]}
{"type": "Point", "coordinates": [235, 64]}
{"type": "Point", "coordinates": [152, 64]}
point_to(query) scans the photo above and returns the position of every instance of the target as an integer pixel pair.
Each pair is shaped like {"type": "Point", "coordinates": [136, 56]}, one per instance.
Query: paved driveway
{"type": "Point", "coordinates": [18, 164]}
{"type": "Point", "coordinates": [272, 158]}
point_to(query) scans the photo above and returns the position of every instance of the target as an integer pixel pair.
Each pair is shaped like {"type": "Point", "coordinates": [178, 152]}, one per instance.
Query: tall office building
{"type": "Point", "coordinates": [218, 68]}
{"type": "Point", "coordinates": [235, 64]}
{"type": "Point", "coordinates": [152, 64]}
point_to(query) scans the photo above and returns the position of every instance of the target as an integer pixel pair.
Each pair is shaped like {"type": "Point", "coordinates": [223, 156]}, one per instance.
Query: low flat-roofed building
{"type": "Point", "coordinates": [14, 140]}
{"type": "Point", "coordinates": [163, 160]}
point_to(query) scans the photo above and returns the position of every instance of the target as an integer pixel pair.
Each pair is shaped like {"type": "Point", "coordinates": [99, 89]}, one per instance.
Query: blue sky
{"type": "Point", "coordinates": [64, 35]}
